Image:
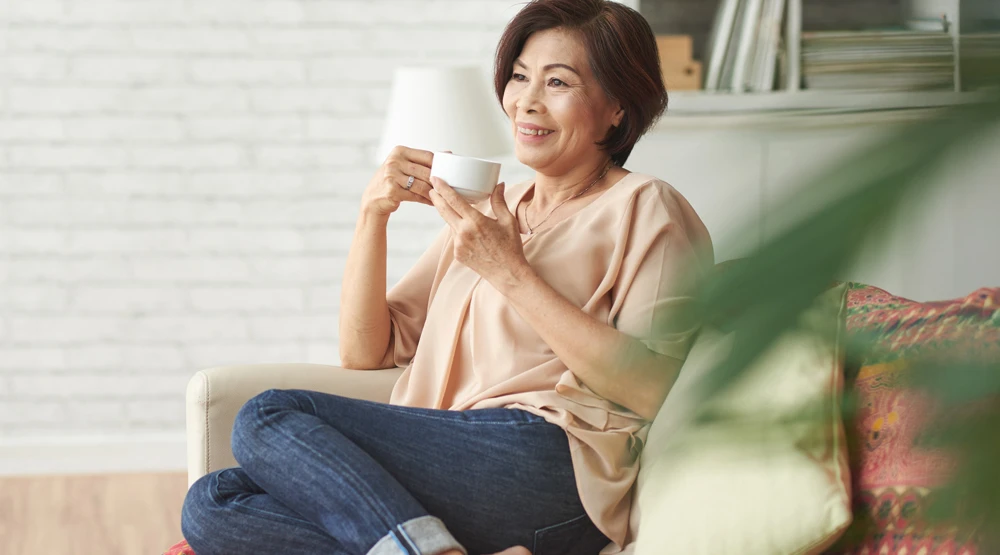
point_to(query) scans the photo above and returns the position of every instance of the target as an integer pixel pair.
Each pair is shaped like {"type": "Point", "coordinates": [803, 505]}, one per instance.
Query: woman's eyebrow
{"type": "Point", "coordinates": [548, 67]}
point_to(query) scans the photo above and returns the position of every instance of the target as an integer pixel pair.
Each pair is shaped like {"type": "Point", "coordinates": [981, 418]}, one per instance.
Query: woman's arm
{"type": "Point", "coordinates": [366, 340]}
{"type": "Point", "coordinates": [614, 365]}
{"type": "Point", "coordinates": [365, 331]}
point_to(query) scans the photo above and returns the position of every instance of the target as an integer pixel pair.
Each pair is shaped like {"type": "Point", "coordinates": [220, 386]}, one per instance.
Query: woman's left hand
{"type": "Point", "coordinates": [490, 247]}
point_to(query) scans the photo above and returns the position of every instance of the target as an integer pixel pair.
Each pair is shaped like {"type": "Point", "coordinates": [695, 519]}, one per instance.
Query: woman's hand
{"type": "Point", "coordinates": [491, 247]}
{"type": "Point", "coordinates": [387, 189]}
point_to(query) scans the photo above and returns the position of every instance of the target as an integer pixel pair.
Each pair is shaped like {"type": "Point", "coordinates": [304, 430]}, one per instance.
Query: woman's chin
{"type": "Point", "coordinates": [532, 158]}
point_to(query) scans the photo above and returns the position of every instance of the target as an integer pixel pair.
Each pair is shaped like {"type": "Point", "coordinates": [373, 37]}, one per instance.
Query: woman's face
{"type": "Point", "coordinates": [552, 88]}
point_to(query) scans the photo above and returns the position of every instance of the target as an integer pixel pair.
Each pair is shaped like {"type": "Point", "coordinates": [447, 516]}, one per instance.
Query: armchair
{"type": "Point", "coordinates": [215, 395]}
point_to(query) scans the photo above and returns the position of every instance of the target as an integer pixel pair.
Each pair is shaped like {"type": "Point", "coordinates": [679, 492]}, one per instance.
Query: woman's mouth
{"type": "Point", "coordinates": [526, 135]}
{"type": "Point", "coordinates": [541, 132]}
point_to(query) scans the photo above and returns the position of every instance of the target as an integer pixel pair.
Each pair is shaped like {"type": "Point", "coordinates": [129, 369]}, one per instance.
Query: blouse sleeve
{"type": "Point", "coordinates": [410, 298]}
{"type": "Point", "coordinates": [663, 261]}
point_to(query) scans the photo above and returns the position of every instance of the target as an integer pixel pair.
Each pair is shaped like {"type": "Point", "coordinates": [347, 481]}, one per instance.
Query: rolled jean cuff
{"type": "Point", "coordinates": [425, 535]}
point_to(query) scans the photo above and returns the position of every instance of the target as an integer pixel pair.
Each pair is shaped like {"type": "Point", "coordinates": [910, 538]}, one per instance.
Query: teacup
{"type": "Point", "coordinates": [472, 178]}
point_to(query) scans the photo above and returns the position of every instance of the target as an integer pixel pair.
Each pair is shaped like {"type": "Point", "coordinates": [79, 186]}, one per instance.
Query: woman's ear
{"type": "Point", "coordinates": [616, 120]}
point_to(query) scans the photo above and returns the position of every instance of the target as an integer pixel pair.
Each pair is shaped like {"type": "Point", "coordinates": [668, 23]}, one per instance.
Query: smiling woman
{"type": "Point", "coordinates": [539, 333]}
{"type": "Point", "coordinates": [612, 52]}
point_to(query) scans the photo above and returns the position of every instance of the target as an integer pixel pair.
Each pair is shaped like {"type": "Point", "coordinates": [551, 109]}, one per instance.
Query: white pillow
{"type": "Point", "coordinates": [772, 477]}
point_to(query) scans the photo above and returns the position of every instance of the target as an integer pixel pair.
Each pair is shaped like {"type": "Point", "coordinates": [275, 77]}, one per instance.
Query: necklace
{"type": "Point", "coordinates": [531, 230]}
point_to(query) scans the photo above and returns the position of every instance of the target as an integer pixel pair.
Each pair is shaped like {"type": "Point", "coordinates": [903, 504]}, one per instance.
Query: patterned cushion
{"type": "Point", "coordinates": [901, 328]}
{"type": "Point", "coordinates": [180, 548]}
{"type": "Point", "coordinates": [894, 477]}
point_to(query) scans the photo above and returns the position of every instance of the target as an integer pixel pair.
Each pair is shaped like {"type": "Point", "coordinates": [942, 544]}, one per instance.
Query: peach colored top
{"type": "Point", "coordinates": [620, 259]}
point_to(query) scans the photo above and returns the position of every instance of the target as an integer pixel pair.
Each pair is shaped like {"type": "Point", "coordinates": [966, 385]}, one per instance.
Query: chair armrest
{"type": "Point", "coordinates": [215, 395]}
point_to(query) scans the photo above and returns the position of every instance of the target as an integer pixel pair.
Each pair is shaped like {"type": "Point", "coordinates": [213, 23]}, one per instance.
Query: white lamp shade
{"type": "Point", "coordinates": [444, 108]}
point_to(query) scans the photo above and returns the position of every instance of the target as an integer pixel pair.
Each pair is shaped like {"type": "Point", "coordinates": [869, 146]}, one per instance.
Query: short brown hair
{"type": "Point", "coordinates": [622, 52]}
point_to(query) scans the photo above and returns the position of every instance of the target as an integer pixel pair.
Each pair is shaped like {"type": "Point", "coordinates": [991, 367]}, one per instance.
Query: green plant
{"type": "Point", "coordinates": [763, 296]}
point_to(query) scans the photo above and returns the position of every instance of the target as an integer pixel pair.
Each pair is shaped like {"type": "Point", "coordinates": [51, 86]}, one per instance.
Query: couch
{"type": "Point", "coordinates": [888, 487]}
{"type": "Point", "coordinates": [215, 395]}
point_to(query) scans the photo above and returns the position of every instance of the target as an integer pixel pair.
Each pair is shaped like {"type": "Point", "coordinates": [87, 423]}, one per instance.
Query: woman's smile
{"type": "Point", "coordinates": [533, 136]}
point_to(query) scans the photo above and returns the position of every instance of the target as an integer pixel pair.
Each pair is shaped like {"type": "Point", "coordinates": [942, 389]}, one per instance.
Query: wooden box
{"type": "Point", "coordinates": [680, 72]}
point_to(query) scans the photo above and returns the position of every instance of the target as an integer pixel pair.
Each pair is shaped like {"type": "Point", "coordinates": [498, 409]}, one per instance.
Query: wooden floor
{"type": "Point", "coordinates": [113, 514]}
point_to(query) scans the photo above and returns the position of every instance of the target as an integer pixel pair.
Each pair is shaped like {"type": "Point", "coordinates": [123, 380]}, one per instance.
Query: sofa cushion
{"type": "Point", "coordinates": [179, 548]}
{"type": "Point", "coordinates": [895, 473]}
{"type": "Point", "coordinates": [771, 475]}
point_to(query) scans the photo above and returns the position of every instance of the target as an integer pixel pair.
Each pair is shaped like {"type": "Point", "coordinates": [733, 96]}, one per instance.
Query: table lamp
{"type": "Point", "coordinates": [444, 108]}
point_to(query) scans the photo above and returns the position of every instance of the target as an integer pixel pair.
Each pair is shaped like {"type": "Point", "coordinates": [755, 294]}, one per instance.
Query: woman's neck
{"type": "Point", "coordinates": [550, 190]}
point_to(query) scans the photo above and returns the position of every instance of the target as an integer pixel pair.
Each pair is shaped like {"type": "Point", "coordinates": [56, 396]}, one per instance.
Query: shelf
{"type": "Point", "coordinates": [702, 103]}
{"type": "Point", "coordinates": [700, 110]}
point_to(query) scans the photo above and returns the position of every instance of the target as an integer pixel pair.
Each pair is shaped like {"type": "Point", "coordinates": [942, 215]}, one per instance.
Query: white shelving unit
{"type": "Point", "coordinates": [795, 99]}
{"type": "Point", "coordinates": [736, 157]}
{"type": "Point", "coordinates": [703, 102]}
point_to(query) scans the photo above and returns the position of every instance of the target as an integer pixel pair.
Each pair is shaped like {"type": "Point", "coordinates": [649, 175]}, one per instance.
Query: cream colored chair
{"type": "Point", "coordinates": [215, 395]}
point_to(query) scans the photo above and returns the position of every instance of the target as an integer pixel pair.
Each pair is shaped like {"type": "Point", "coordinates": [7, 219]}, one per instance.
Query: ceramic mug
{"type": "Point", "coordinates": [472, 178]}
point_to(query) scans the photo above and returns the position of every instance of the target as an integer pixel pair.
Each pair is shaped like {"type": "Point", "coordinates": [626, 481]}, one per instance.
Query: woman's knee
{"type": "Point", "coordinates": [251, 417]}
{"type": "Point", "coordinates": [208, 515]}
{"type": "Point", "coordinates": [198, 513]}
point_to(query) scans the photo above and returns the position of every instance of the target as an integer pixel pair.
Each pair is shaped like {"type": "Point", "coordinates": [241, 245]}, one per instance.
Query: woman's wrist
{"type": "Point", "coordinates": [518, 280]}
{"type": "Point", "coordinates": [369, 216]}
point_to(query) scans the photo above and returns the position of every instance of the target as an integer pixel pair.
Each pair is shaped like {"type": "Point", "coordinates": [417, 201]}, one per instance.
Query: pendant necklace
{"type": "Point", "coordinates": [531, 230]}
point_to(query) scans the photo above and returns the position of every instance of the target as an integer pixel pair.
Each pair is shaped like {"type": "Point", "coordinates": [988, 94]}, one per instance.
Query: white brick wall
{"type": "Point", "coordinates": [178, 187]}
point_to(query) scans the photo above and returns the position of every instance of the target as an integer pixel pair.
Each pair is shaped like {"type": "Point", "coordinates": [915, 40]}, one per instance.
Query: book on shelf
{"type": "Point", "coordinates": [762, 71]}
{"type": "Point", "coordinates": [759, 45]}
{"type": "Point", "coordinates": [732, 48]}
{"type": "Point", "coordinates": [718, 42]}
{"type": "Point", "coordinates": [880, 59]}
{"type": "Point", "coordinates": [748, 38]}
{"type": "Point", "coordinates": [744, 45]}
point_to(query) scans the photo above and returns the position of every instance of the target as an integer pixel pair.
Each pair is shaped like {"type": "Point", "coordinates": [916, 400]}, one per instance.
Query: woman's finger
{"type": "Point", "coordinates": [408, 168]}
{"type": "Point", "coordinates": [413, 197]}
{"type": "Point", "coordinates": [499, 203]}
{"type": "Point", "coordinates": [444, 208]}
{"type": "Point", "coordinates": [422, 188]}
{"type": "Point", "coordinates": [416, 155]}
{"type": "Point", "coordinates": [457, 203]}
{"type": "Point", "coordinates": [419, 186]}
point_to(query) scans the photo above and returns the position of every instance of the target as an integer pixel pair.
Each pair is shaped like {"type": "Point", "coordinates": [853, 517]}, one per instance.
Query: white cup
{"type": "Point", "coordinates": [472, 178]}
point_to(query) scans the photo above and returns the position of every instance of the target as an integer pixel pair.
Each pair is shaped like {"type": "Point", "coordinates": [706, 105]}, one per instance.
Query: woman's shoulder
{"type": "Point", "coordinates": [653, 202]}
{"type": "Point", "coordinates": [640, 189]}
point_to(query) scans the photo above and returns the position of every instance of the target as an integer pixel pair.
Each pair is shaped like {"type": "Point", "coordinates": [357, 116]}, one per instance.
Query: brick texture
{"type": "Point", "coordinates": [179, 183]}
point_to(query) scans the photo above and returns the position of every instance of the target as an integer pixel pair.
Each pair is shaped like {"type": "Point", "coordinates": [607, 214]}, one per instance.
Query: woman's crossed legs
{"type": "Point", "coordinates": [326, 474]}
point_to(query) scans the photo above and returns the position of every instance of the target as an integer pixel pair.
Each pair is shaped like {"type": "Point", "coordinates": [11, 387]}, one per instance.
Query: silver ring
{"type": "Point", "coordinates": [409, 183]}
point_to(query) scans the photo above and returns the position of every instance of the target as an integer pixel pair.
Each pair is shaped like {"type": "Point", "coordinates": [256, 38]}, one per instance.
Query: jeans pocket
{"type": "Point", "coordinates": [577, 536]}
{"type": "Point", "coordinates": [502, 416]}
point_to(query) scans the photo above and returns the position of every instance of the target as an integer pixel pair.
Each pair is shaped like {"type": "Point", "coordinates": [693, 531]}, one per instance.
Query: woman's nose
{"type": "Point", "coordinates": [531, 99]}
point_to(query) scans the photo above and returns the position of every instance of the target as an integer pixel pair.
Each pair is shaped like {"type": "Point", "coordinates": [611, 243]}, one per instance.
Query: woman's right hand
{"type": "Point", "coordinates": [387, 189]}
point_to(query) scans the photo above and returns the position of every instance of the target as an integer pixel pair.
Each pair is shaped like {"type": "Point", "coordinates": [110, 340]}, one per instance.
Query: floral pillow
{"type": "Point", "coordinates": [894, 476]}
{"type": "Point", "coordinates": [180, 548]}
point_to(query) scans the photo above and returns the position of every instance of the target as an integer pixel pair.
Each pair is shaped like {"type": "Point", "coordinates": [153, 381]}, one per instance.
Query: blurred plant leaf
{"type": "Point", "coordinates": [965, 421]}
{"type": "Point", "coordinates": [958, 383]}
{"type": "Point", "coordinates": [763, 295]}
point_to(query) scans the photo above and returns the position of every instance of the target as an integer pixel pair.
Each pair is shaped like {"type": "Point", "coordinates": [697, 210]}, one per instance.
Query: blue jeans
{"type": "Point", "coordinates": [326, 474]}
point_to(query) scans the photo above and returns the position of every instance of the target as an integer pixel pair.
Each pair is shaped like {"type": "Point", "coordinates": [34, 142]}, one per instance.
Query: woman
{"type": "Point", "coordinates": [540, 333]}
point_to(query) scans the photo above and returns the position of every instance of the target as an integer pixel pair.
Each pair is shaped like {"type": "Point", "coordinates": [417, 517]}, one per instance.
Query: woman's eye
{"type": "Point", "coordinates": [557, 82]}
{"type": "Point", "coordinates": [517, 77]}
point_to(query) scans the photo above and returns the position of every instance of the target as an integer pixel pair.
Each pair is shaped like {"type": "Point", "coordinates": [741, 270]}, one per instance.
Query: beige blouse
{"type": "Point", "coordinates": [622, 259]}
